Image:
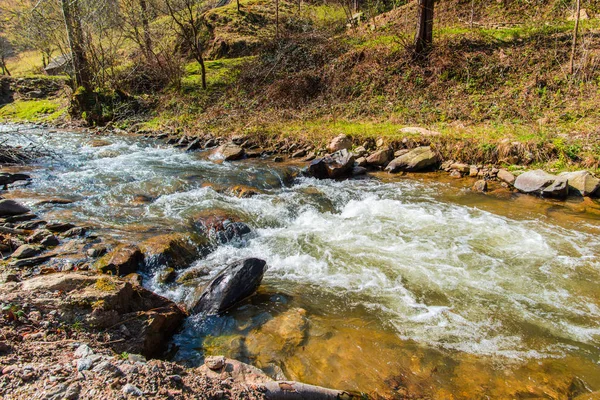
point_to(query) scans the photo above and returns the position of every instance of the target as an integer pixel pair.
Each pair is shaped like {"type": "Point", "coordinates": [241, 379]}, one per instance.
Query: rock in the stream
{"type": "Point", "coordinates": [340, 142]}
{"type": "Point", "coordinates": [280, 335]}
{"type": "Point", "coordinates": [26, 251]}
{"type": "Point", "coordinates": [480, 186]}
{"type": "Point", "coordinates": [542, 184]}
{"type": "Point", "coordinates": [11, 207]}
{"type": "Point", "coordinates": [59, 227]}
{"type": "Point", "coordinates": [582, 183]}
{"type": "Point", "coordinates": [337, 165]}
{"type": "Point", "coordinates": [8, 179]}
{"type": "Point", "coordinates": [230, 152]}
{"type": "Point", "coordinates": [123, 260]}
{"type": "Point", "coordinates": [233, 284]}
{"type": "Point", "coordinates": [220, 228]}
{"type": "Point", "coordinates": [172, 250]}
{"type": "Point", "coordinates": [416, 160]}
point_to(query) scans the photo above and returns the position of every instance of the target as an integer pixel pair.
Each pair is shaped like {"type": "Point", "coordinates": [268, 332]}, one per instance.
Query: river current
{"type": "Point", "coordinates": [401, 286]}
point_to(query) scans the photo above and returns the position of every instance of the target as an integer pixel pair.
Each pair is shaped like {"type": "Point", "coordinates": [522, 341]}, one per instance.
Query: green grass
{"type": "Point", "coordinates": [33, 111]}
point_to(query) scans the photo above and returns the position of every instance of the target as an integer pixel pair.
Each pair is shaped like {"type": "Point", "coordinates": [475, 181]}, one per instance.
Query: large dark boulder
{"type": "Point", "coordinates": [11, 207]}
{"type": "Point", "coordinates": [233, 284]}
{"type": "Point", "coordinates": [417, 159]}
{"type": "Point", "coordinates": [543, 184]}
{"type": "Point", "coordinates": [336, 165]}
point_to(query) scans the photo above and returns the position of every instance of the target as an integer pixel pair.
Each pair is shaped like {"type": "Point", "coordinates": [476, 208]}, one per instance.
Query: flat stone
{"type": "Point", "coordinates": [543, 184]}
{"type": "Point", "coordinates": [582, 183]}
{"type": "Point", "coordinates": [59, 227]}
{"type": "Point", "coordinates": [380, 158]}
{"type": "Point", "coordinates": [26, 251]}
{"type": "Point", "coordinates": [506, 176]}
{"type": "Point", "coordinates": [10, 207]}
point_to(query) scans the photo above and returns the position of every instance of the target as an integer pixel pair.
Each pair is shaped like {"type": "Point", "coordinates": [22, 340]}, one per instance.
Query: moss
{"type": "Point", "coordinates": [105, 285]}
{"type": "Point", "coordinates": [33, 111]}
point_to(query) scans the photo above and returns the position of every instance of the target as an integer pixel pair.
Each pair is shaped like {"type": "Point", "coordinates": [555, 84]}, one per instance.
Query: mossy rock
{"type": "Point", "coordinates": [123, 260]}
{"type": "Point", "coordinates": [173, 250]}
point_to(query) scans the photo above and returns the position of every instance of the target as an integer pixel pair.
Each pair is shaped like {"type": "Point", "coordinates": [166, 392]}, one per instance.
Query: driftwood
{"type": "Point", "coordinates": [283, 390]}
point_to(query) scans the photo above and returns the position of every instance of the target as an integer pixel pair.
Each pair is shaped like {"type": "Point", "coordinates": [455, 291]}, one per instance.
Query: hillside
{"type": "Point", "coordinates": [498, 71]}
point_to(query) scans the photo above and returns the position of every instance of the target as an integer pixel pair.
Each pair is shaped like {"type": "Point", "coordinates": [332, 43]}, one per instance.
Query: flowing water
{"type": "Point", "coordinates": [387, 285]}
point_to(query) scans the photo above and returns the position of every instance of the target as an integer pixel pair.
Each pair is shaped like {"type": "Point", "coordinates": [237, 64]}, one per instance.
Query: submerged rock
{"type": "Point", "coordinates": [123, 260]}
{"type": "Point", "coordinates": [233, 284]}
{"type": "Point", "coordinates": [480, 186]}
{"type": "Point", "coordinates": [416, 160]}
{"type": "Point", "coordinates": [582, 183]}
{"type": "Point", "coordinates": [542, 184]}
{"type": "Point", "coordinates": [336, 165]}
{"type": "Point", "coordinates": [8, 179]}
{"type": "Point", "coordinates": [11, 207]}
{"type": "Point", "coordinates": [280, 335]}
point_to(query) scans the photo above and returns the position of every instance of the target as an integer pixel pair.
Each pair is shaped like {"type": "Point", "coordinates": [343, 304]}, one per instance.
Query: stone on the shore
{"type": "Point", "coordinates": [340, 142]}
{"type": "Point", "coordinates": [299, 153]}
{"type": "Point", "coordinates": [233, 284]}
{"type": "Point", "coordinates": [480, 186]}
{"type": "Point", "coordinates": [104, 303]}
{"type": "Point", "coordinates": [172, 250]}
{"type": "Point", "coordinates": [230, 152]}
{"type": "Point", "coordinates": [26, 251]}
{"type": "Point", "coordinates": [460, 167]}
{"type": "Point", "coordinates": [416, 160]}
{"type": "Point", "coordinates": [357, 171]}
{"type": "Point", "coordinates": [214, 362]}
{"type": "Point", "coordinates": [59, 227]}
{"type": "Point", "coordinates": [123, 260]}
{"type": "Point", "coordinates": [50, 241]}
{"type": "Point", "coordinates": [415, 130]}
{"type": "Point", "coordinates": [381, 158]}
{"type": "Point", "coordinates": [10, 207]}
{"type": "Point", "coordinates": [361, 162]}
{"type": "Point", "coordinates": [237, 372]}
{"type": "Point", "coordinates": [360, 151]}
{"type": "Point", "coordinates": [582, 183]}
{"type": "Point", "coordinates": [473, 171]}
{"type": "Point", "coordinates": [506, 176]}
{"type": "Point", "coordinates": [336, 165]}
{"type": "Point", "coordinates": [543, 184]}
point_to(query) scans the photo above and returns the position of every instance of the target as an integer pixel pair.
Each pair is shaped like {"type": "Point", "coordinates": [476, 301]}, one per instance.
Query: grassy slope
{"type": "Point", "coordinates": [502, 80]}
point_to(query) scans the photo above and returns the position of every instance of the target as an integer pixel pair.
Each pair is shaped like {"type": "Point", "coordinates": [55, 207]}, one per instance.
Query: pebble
{"type": "Point", "coordinates": [83, 351]}
{"type": "Point", "coordinates": [215, 362]}
{"type": "Point", "coordinates": [132, 390]}
{"type": "Point", "coordinates": [86, 363]}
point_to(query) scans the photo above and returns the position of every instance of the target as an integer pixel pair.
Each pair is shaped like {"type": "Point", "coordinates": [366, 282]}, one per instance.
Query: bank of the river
{"type": "Point", "coordinates": [413, 270]}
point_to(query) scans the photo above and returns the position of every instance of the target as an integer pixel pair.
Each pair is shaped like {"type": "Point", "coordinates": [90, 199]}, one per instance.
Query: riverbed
{"type": "Point", "coordinates": [390, 285]}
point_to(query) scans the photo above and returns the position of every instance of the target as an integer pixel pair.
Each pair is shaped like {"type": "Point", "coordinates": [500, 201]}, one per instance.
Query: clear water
{"type": "Point", "coordinates": [411, 287]}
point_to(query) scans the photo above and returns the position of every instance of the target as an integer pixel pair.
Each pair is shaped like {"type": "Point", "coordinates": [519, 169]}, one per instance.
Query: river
{"type": "Point", "coordinates": [401, 286]}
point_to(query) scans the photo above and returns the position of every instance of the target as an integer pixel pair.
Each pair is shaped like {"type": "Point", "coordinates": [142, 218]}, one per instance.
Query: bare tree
{"type": "Point", "coordinates": [424, 36]}
{"type": "Point", "coordinates": [72, 18]}
{"type": "Point", "coordinates": [575, 33]}
{"type": "Point", "coordinates": [187, 16]}
{"type": "Point", "coordinates": [6, 50]}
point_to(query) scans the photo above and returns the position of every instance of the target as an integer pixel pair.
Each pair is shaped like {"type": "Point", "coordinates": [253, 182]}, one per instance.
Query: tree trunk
{"type": "Point", "coordinates": [238, 6]}
{"type": "Point", "coordinates": [575, 32]}
{"type": "Point", "coordinates": [146, 27]}
{"type": "Point", "coordinates": [70, 9]}
{"type": "Point", "coordinates": [276, 19]}
{"type": "Point", "coordinates": [424, 36]}
{"type": "Point", "coordinates": [200, 60]}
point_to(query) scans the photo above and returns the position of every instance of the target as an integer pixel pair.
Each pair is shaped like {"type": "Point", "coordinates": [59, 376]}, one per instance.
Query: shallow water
{"type": "Point", "coordinates": [398, 286]}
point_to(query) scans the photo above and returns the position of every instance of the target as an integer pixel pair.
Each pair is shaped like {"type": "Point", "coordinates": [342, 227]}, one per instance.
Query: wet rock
{"type": "Point", "coordinates": [30, 225]}
{"type": "Point", "coordinates": [337, 165]}
{"type": "Point", "coordinates": [59, 227]}
{"type": "Point", "coordinates": [380, 158]}
{"type": "Point", "coordinates": [230, 152]}
{"type": "Point", "coordinates": [11, 207]}
{"type": "Point", "coordinates": [168, 275]}
{"type": "Point", "coordinates": [75, 232]}
{"type": "Point", "coordinates": [506, 176]}
{"type": "Point", "coordinates": [123, 260]}
{"type": "Point", "coordinates": [195, 144]}
{"type": "Point", "coordinates": [360, 162]}
{"type": "Point", "coordinates": [191, 274]}
{"type": "Point", "coordinates": [311, 156]}
{"type": "Point", "coordinates": [233, 284]}
{"type": "Point", "coordinates": [480, 186]}
{"type": "Point", "coordinates": [99, 143]}
{"type": "Point", "coordinates": [8, 179]}
{"type": "Point", "coordinates": [299, 153]}
{"type": "Point", "coordinates": [582, 183]}
{"type": "Point", "coordinates": [172, 250]}
{"type": "Point", "coordinates": [278, 159]}
{"type": "Point", "coordinates": [26, 251]}
{"type": "Point", "coordinates": [473, 171]}
{"type": "Point", "coordinates": [357, 171]}
{"type": "Point", "coordinates": [215, 362]}
{"type": "Point", "coordinates": [543, 184]}
{"type": "Point", "coordinates": [243, 191]}
{"type": "Point", "coordinates": [96, 251]}
{"type": "Point", "coordinates": [416, 160]}
{"type": "Point", "coordinates": [32, 261]}
{"type": "Point", "coordinates": [54, 200]}
{"type": "Point", "coordinates": [340, 142]}
{"type": "Point", "coordinates": [220, 228]}
{"type": "Point", "coordinates": [455, 174]}
{"type": "Point", "coordinates": [20, 218]}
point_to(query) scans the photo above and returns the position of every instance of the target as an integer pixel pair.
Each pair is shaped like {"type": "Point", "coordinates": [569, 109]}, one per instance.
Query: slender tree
{"type": "Point", "coordinates": [575, 33]}
{"type": "Point", "coordinates": [424, 36]}
{"type": "Point", "coordinates": [72, 18]}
